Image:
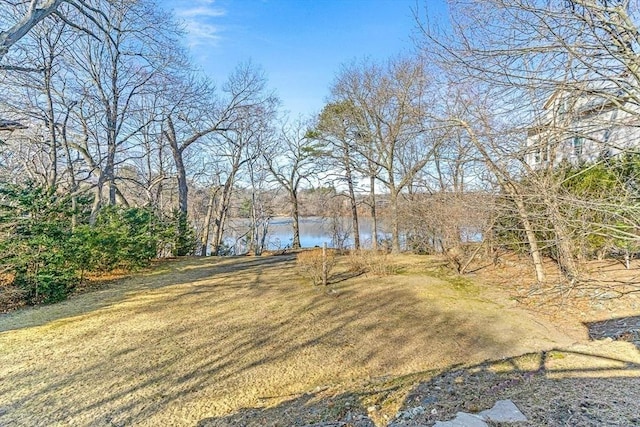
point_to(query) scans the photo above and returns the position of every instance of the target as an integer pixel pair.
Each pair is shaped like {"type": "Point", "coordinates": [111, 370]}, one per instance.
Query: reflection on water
{"type": "Point", "coordinates": [314, 231]}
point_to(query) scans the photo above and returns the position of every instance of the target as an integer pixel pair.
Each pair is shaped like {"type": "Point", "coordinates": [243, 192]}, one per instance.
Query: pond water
{"type": "Point", "coordinates": [314, 231]}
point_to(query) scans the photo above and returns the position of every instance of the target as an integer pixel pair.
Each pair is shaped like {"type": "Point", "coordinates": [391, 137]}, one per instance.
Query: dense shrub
{"type": "Point", "coordinates": [599, 203]}
{"type": "Point", "coordinates": [184, 238]}
{"type": "Point", "coordinates": [121, 238]}
{"type": "Point", "coordinates": [46, 256]}
{"type": "Point", "coordinates": [35, 242]}
{"type": "Point", "coordinates": [311, 263]}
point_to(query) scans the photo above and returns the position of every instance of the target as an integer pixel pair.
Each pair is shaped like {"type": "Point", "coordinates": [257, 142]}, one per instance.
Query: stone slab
{"type": "Point", "coordinates": [462, 419]}
{"type": "Point", "coordinates": [504, 411]}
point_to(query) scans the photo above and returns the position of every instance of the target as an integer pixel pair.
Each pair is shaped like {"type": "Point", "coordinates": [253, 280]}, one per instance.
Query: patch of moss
{"type": "Point", "coordinates": [556, 355]}
{"type": "Point", "coordinates": [459, 283]}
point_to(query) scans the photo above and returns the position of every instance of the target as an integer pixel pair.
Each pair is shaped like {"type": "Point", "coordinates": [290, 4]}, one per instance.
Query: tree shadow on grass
{"type": "Point", "coordinates": [561, 387]}
{"type": "Point", "coordinates": [309, 409]}
{"type": "Point", "coordinates": [342, 276]}
{"type": "Point", "coordinates": [150, 356]}
{"type": "Point", "coordinates": [604, 391]}
{"type": "Point", "coordinates": [171, 348]}
{"type": "Point", "coordinates": [170, 273]}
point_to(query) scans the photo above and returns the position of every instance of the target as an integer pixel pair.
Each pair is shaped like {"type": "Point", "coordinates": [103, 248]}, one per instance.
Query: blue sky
{"type": "Point", "coordinates": [299, 43]}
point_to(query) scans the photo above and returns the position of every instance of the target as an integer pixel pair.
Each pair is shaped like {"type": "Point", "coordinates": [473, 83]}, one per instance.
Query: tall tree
{"type": "Point", "coordinates": [141, 44]}
{"type": "Point", "coordinates": [192, 114]}
{"type": "Point", "coordinates": [249, 109]}
{"type": "Point", "coordinates": [261, 205]}
{"type": "Point", "coordinates": [292, 160]}
{"type": "Point", "coordinates": [391, 100]}
{"type": "Point", "coordinates": [337, 126]}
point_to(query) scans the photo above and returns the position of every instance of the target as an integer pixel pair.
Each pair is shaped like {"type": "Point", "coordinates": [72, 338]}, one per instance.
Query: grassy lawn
{"type": "Point", "coordinates": [196, 340]}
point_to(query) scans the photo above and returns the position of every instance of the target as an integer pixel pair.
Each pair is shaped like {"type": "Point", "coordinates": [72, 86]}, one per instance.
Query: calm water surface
{"type": "Point", "coordinates": [314, 231]}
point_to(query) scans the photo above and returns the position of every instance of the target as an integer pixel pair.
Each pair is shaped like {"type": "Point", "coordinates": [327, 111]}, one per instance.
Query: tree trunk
{"type": "Point", "coordinates": [97, 201]}
{"type": "Point", "coordinates": [204, 241]}
{"type": "Point", "coordinates": [109, 169]}
{"type": "Point", "coordinates": [295, 219]}
{"type": "Point", "coordinates": [534, 250]}
{"type": "Point", "coordinates": [52, 173]}
{"type": "Point", "coordinates": [354, 208]}
{"type": "Point", "coordinates": [71, 172]}
{"type": "Point", "coordinates": [374, 217]}
{"type": "Point", "coordinates": [253, 229]}
{"type": "Point", "coordinates": [181, 173]}
{"type": "Point", "coordinates": [566, 260]}
{"type": "Point", "coordinates": [263, 236]}
{"type": "Point", "coordinates": [221, 214]}
{"type": "Point", "coordinates": [395, 226]}
{"type": "Point", "coordinates": [183, 188]}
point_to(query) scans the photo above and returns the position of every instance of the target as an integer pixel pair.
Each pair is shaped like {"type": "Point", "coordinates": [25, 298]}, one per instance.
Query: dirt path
{"type": "Point", "coordinates": [197, 340]}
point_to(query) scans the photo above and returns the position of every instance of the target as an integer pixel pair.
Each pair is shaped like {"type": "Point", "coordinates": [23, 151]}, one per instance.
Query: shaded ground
{"type": "Point", "coordinates": [245, 341]}
{"type": "Point", "coordinates": [591, 384]}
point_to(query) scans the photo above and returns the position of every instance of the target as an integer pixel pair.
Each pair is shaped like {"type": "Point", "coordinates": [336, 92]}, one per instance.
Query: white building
{"type": "Point", "coordinates": [583, 126]}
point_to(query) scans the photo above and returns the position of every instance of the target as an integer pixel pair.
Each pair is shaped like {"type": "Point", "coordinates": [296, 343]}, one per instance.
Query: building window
{"type": "Point", "coordinates": [578, 143]}
{"type": "Point", "coordinates": [540, 153]}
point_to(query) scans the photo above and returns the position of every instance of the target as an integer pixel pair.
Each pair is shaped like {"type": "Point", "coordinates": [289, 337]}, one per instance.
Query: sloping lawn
{"type": "Point", "coordinates": [200, 339]}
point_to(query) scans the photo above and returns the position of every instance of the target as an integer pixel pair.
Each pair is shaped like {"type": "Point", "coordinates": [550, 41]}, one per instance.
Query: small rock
{"type": "Point", "coordinates": [372, 408]}
{"type": "Point", "coordinates": [411, 413]}
{"type": "Point", "coordinates": [429, 400]}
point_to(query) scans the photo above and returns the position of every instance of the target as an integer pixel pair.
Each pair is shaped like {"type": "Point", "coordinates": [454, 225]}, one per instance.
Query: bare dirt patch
{"type": "Point", "coordinates": [247, 341]}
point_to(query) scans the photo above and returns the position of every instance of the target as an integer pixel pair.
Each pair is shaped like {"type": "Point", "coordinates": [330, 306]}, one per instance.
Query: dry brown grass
{"type": "Point", "coordinates": [201, 340]}
{"type": "Point", "coordinates": [375, 263]}
{"type": "Point", "coordinates": [607, 290]}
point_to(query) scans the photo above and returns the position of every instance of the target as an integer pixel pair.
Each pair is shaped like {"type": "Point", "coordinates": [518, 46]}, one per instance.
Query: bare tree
{"type": "Point", "coordinates": [114, 74]}
{"type": "Point", "coordinates": [261, 205]}
{"type": "Point", "coordinates": [192, 115]}
{"type": "Point", "coordinates": [291, 161]}
{"type": "Point", "coordinates": [391, 101]}
{"type": "Point", "coordinates": [23, 16]}
{"type": "Point", "coordinates": [337, 126]}
{"type": "Point", "coordinates": [249, 110]}
{"type": "Point", "coordinates": [41, 96]}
